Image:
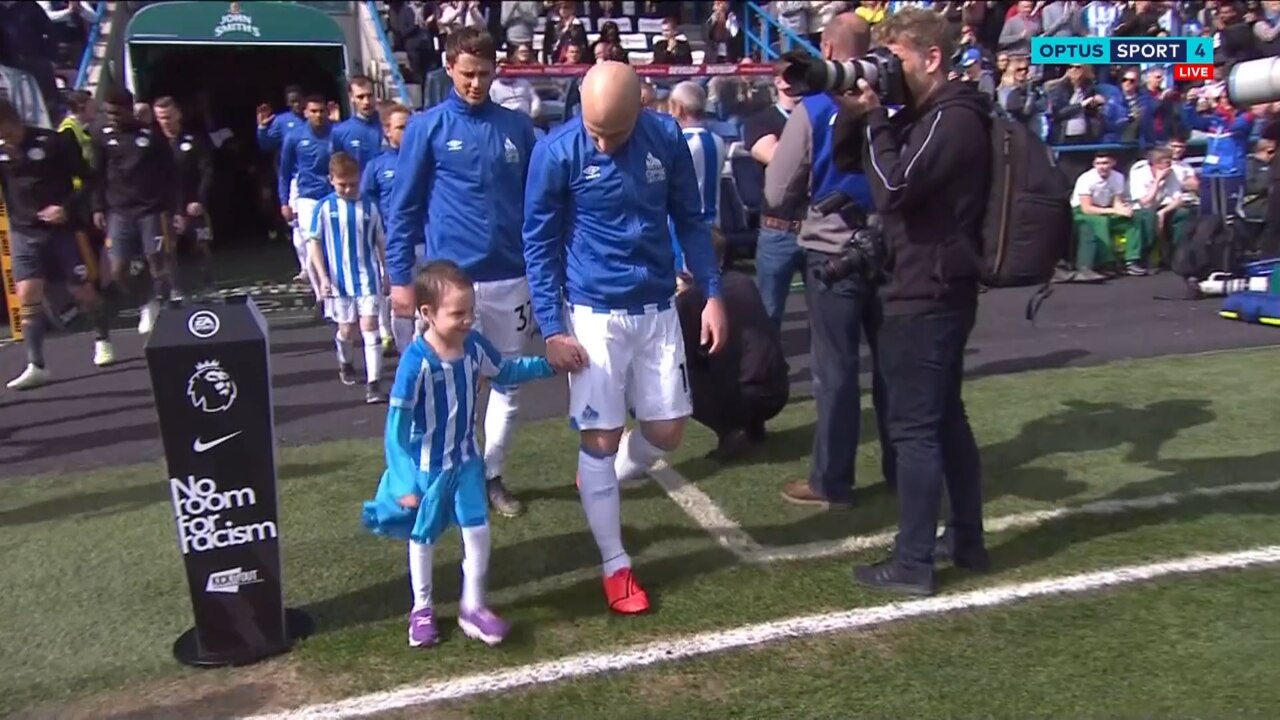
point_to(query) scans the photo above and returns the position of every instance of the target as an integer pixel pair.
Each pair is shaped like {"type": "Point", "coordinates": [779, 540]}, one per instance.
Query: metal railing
{"type": "Point", "coordinates": [770, 30]}
{"type": "Point", "coordinates": [86, 57]}
{"type": "Point", "coordinates": [389, 55]}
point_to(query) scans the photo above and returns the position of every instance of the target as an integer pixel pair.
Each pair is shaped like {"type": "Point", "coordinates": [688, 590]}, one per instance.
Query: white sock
{"type": "Point", "coordinates": [636, 456]}
{"type": "Point", "coordinates": [598, 488]}
{"type": "Point", "coordinates": [372, 355]}
{"type": "Point", "coordinates": [402, 331]}
{"type": "Point", "coordinates": [314, 279]}
{"type": "Point", "coordinates": [344, 349]}
{"type": "Point", "coordinates": [420, 574]}
{"type": "Point", "coordinates": [384, 318]}
{"type": "Point", "coordinates": [499, 427]}
{"type": "Point", "coordinates": [475, 565]}
{"type": "Point", "coordinates": [300, 248]}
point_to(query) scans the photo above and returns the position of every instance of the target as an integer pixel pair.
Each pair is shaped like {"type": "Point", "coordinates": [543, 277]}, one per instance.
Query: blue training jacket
{"type": "Point", "coordinates": [376, 181]}
{"type": "Point", "coordinates": [271, 137]}
{"type": "Point", "coordinates": [361, 138]}
{"type": "Point", "coordinates": [460, 181]}
{"type": "Point", "coordinates": [306, 155]}
{"type": "Point", "coordinates": [825, 177]}
{"type": "Point", "coordinates": [596, 224]}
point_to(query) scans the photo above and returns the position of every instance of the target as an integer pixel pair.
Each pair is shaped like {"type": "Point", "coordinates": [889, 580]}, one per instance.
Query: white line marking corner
{"type": "Point", "coordinates": [705, 512]}
{"type": "Point", "coordinates": [665, 651]}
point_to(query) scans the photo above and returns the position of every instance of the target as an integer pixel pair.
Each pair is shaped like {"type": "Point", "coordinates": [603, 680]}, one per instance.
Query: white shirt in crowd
{"type": "Point", "coordinates": [1103, 192]}
{"type": "Point", "coordinates": [516, 94]}
{"type": "Point", "coordinates": [1141, 178]}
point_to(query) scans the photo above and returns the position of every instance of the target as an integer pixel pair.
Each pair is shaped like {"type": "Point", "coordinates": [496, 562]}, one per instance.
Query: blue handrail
{"type": "Point", "coordinates": [768, 26]}
{"type": "Point", "coordinates": [401, 88]}
{"type": "Point", "coordinates": [82, 74]}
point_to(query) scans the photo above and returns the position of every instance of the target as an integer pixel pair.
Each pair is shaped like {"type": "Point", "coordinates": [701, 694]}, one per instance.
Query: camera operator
{"type": "Point", "coordinates": [839, 291]}
{"type": "Point", "coordinates": [929, 167]}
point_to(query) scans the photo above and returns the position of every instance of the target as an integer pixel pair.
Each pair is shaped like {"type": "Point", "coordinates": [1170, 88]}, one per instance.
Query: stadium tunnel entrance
{"type": "Point", "coordinates": [219, 63]}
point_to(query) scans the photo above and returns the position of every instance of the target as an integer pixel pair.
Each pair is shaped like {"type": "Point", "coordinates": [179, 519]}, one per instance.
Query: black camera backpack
{"type": "Point", "coordinates": [1027, 228]}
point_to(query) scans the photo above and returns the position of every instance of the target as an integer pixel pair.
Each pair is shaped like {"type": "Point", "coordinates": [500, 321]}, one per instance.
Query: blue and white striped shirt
{"type": "Point", "coordinates": [350, 235]}
{"type": "Point", "coordinates": [442, 396]}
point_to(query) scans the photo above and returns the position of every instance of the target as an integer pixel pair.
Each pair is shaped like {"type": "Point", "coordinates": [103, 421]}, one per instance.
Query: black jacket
{"type": "Point", "coordinates": [38, 174]}
{"type": "Point", "coordinates": [752, 363]}
{"type": "Point", "coordinates": [193, 160]}
{"type": "Point", "coordinates": [135, 171]}
{"type": "Point", "coordinates": [930, 174]}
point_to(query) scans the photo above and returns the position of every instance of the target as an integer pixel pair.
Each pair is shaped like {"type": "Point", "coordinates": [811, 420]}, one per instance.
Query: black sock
{"type": "Point", "coordinates": [33, 329]}
{"type": "Point", "coordinates": [97, 314]}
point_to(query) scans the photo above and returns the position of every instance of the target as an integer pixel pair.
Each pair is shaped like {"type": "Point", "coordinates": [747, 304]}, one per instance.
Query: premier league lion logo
{"type": "Point", "coordinates": [211, 388]}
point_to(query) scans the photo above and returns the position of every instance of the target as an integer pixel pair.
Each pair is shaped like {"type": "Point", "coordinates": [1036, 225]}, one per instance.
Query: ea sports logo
{"type": "Point", "coordinates": [203, 324]}
{"type": "Point", "coordinates": [211, 388]}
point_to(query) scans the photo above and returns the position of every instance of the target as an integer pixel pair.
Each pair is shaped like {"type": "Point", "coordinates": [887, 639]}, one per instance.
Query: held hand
{"type": "Point", "coordinates": [53, 214]}
{"type": "Point", "coordinates": [402, 301]}
{"type": "Point", "coordinates": [100, 221]}
{"type": "Point", "coordinates": [565, 354]}
{"type": "Point", "coordinates": [286, 212]}
{"type": "Point", "coordinates": [195, 209]}
{"type": "Point", "coordinates": [408, 502]}
{"type": "Point", "coordinates": [326, 288]}
{"type": "Point", "coordinates": [715, 327]}
{"type": "Point", "coordinates": [265, 115]}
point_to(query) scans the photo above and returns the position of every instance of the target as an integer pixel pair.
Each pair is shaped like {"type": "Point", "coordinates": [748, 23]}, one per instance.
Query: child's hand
{"type": "Point", "coordinates": [409, 501]}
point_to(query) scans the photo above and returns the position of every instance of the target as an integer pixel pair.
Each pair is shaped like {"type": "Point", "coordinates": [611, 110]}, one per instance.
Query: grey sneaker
{"type": "Point", "coordinates": [502, 501]}
{"type": "Point", "coordinates": [347, 374]}
{"type": "Point", "coordinates": [1089, 275]}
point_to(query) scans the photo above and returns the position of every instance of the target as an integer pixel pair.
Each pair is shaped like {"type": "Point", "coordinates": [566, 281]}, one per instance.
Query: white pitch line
{"type": "Point", "coordinates": [858, 543]}
{"type": "Point", "coordinates": [666, 651]}
{"type": "Point", "coordinates": [705, 512]}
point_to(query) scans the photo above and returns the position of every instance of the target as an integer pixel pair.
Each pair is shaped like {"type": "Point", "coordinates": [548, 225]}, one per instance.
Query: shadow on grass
{"type": "Point", "coordinates": [93, 504]}
{"type": "Point", "coordinates": [1009, 465]}
{"type": "Point", "coordinates": [511, 565]}
{"type": "Point", "coordinates": [1048, 540]}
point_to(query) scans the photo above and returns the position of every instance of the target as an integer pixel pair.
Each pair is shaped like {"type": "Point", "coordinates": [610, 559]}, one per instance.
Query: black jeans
{"type": "Point", "coordinates": [922, 357]}
{"type": "Point", "coordinates": [838, 317]}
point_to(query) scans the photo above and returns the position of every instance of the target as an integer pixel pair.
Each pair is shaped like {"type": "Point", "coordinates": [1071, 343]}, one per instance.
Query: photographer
{"type": "Point", "coordinates": [801, 180]}
{"type": "Point", "coordinates": [929, 167]}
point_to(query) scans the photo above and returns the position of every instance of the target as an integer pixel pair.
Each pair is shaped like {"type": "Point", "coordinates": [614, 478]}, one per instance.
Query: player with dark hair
{"type": "Point", "coordinates": [304, 165]}
{"type": "Point", "coordinates": [462, 170]}
{"type": "Point", "coordinates": [137, 201]}
{"type": "Point", "coordinates": [37, 172]}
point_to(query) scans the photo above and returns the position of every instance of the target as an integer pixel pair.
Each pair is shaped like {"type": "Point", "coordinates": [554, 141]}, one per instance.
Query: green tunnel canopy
{"type": "Point", "coordinates": [243, 23]}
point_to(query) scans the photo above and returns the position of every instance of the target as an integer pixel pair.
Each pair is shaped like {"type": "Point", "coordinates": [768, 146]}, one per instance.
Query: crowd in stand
{"type": "Point", "coordinates": [1102, 120]}
{"type": "Point", "coordinates": [46, 40]}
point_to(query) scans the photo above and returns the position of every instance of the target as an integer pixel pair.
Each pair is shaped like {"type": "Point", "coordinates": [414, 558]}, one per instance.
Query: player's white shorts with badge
{"type": "Point", "coordinates": [504, 314]}
{"type": "Point", "coordinates": [351, 309]}
{"type": "Point", "coordinates": [637, 359]}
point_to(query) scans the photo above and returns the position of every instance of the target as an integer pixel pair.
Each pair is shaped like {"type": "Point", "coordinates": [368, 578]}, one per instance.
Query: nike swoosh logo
{"type": "Point", "coordinates": [200, 446]}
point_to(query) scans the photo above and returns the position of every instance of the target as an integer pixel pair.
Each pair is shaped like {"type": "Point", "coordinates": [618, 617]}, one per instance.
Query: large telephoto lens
{"type": "Point", "coordinates": [1254, 82]}
{"type": "Point", "coordinates": [811, 75]}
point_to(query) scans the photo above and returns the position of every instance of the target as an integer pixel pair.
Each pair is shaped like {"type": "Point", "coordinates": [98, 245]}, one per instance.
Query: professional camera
{"type": "Point", "coordinates": [1254, 82]}
{"type": "Point", "coordinates": [863, 256]}
{"type": "Point", "coordinates": [808, 75]}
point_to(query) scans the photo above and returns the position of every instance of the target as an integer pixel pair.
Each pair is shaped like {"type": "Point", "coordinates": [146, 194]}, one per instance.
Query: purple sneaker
{"type": "Point", "coordinates": [483, 625]}
{"type": "Point", "coordinates": [422, 628]}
